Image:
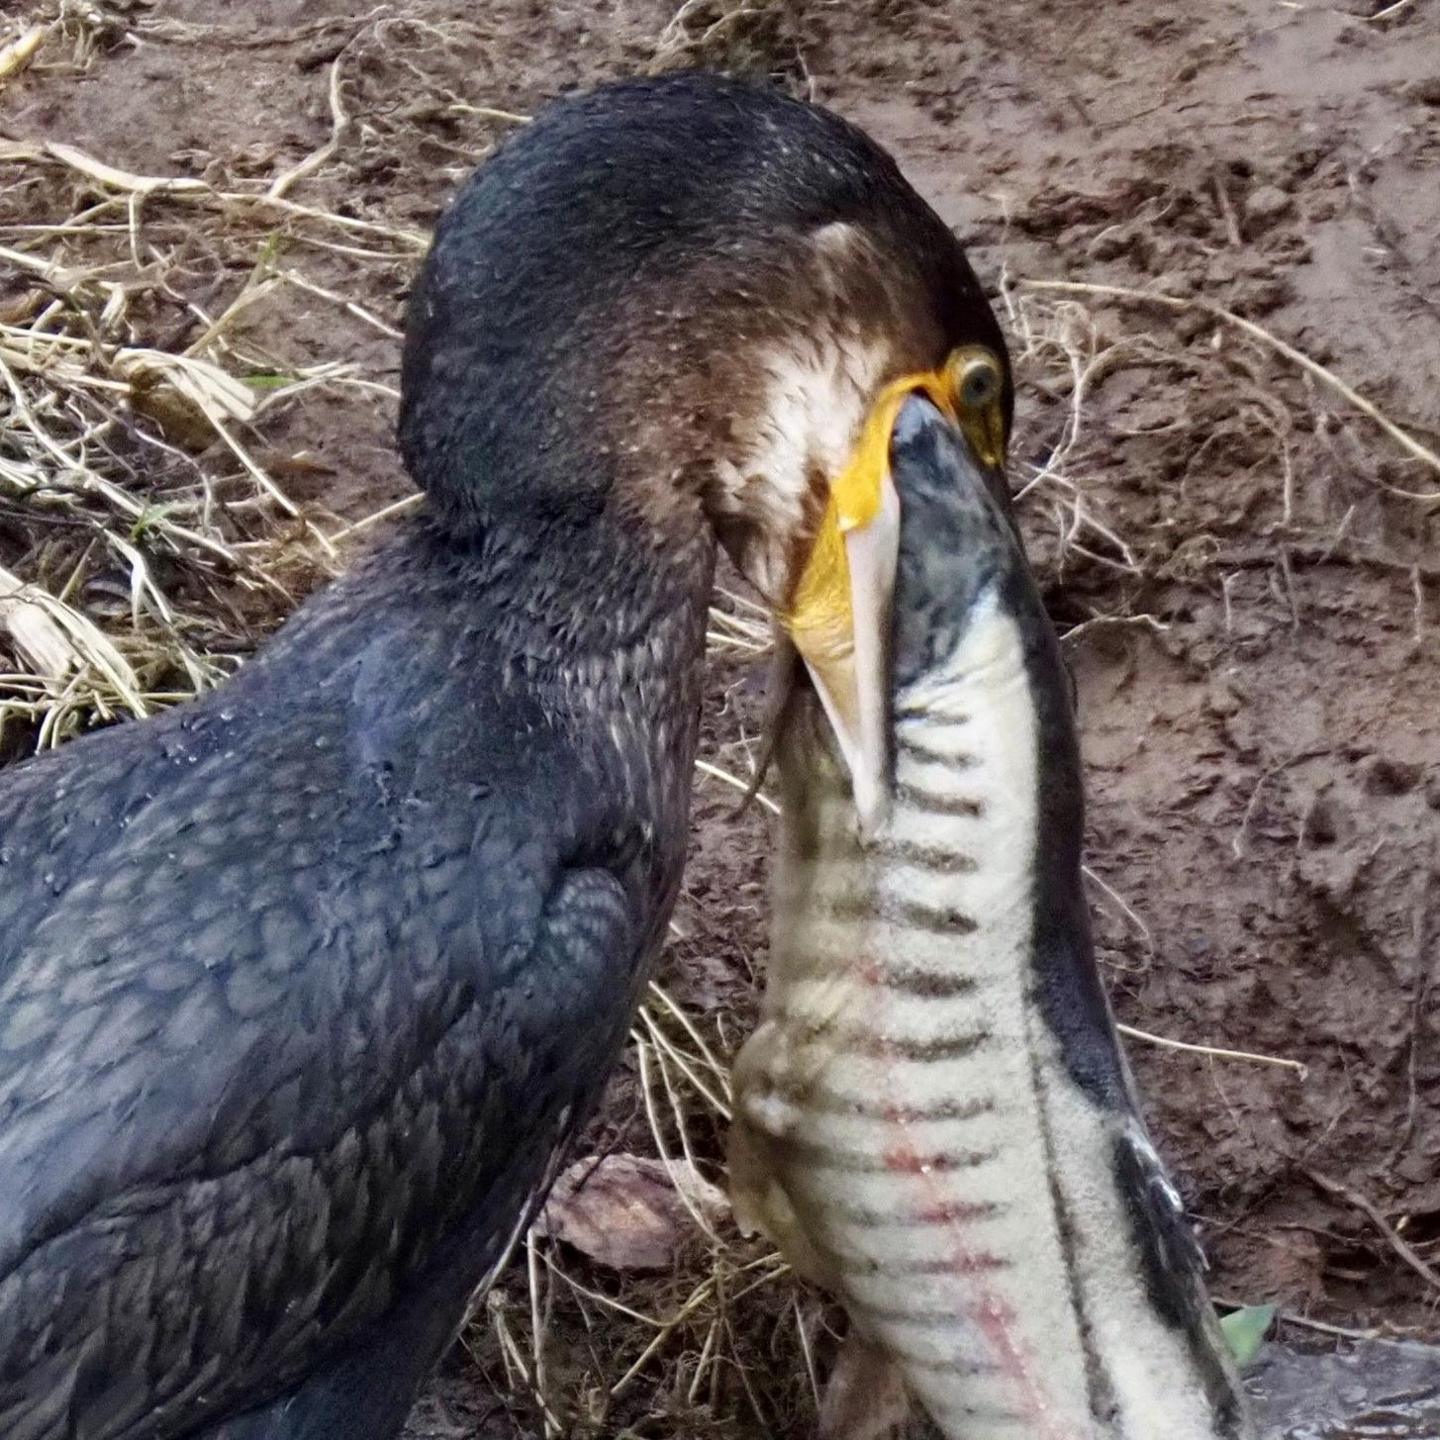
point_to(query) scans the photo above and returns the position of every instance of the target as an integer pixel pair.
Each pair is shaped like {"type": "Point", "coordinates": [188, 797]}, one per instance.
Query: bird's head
{"type": "Point", "coordinates": [689, 303]}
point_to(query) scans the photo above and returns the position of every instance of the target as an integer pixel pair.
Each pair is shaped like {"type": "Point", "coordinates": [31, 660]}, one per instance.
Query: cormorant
{"type": "Point", "coordinates": [303, 984]}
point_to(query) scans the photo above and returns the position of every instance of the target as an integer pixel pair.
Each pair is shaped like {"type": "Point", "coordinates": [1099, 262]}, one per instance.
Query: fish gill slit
{"type": "Point", "coordinates": [923, 1217]}
{"type": "Point", "coordinates": [931, 754]}
{"type": "Point", "coordinates": [925, 711]}
{"type": "Point", "coordinates": [935, 802]}
{"type": "Point", "coordinates": [866, 1162]}
{"type": "Point", "coordinates": [949, 1107]}
{"type": "Point", "coordinates": [927, 1050]}
{"type": "Point", "coordinates": [877, 1044]}
{"type": "Point", "coordinates": [902, 913]}
{"type": "Point", "coordinates": [866, 1266]}
{"type": "Point", "coordinates": [924, 857]}
{"type": "Point", "coordinates": [923, 984]}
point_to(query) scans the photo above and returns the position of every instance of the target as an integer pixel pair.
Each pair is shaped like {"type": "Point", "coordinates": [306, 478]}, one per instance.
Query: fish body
{"type": "Point", "coordinates": [934, 1118]}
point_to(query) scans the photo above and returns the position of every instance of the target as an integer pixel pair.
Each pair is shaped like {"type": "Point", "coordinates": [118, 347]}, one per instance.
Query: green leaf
{"type": "Point", "coordinates": [1245, 1331]}
{"type": "Point", "coordinates": [149, 516]}
{"type": "Point", "coordinates": [269, 381]}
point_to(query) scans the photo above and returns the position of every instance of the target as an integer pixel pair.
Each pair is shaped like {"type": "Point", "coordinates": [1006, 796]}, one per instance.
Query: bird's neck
{"type": "Point", "coordinates": [565, 589]}
{"type": "Point", "coordinates": [559, 605]}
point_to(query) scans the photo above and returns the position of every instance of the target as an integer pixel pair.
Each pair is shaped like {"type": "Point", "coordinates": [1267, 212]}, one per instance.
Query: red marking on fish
{"type": "Point", "coordinates": [992, 1314]}
{"type": "Point", "coordinates": [901, 1160]}
{"type": "Point", "coordinates": [948, 1212]}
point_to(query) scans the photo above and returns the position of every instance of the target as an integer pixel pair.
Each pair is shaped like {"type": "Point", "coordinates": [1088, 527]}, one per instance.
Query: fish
{"type": "Point", "coordinates": [934, 1119]}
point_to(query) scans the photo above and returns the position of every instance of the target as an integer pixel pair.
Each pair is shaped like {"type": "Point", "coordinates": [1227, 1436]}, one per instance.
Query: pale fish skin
{"type": "Point", "coordinates": [934, 1119]}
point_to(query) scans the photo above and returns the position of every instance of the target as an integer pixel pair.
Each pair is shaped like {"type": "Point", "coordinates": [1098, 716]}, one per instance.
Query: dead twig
{"type": "Point", "coordinates": [735, 782]}
{"type": "Point", "coordinates": [1216, 1051]}
{"type": "Point", "coordinates": [1368, 1208]}
{"type": "Point", "coordinates": [1284, 1317]}
{"type": "Point", "coordinates": [1424, 953]}
{"type": "Point", "coordinates": [1237, 845]}
{"type": "Point", "coordinates": [339, 124]}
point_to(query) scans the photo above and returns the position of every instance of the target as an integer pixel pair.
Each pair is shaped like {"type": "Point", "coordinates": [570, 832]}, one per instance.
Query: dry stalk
{"type": "Point", "coordinates": [339, 124]}
{"type": "Point", "coordinates": [131, 468]}
{"type": "Point", "coordinates": [735, 783]}
{"type": "Point", "coordinates": [188, 189]}
{"type": "Point", "coordinates": [1392, 1237]}
{"type": "Point", "coordinates": [1215, 1051]}
{"type": "Point", "coordinates": [17, 54]}
{"type": "Point", "coordinates": [1348, 393]}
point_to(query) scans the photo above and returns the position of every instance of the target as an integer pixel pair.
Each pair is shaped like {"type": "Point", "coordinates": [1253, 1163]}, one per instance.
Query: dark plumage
{"type": "Point", "coordinates": [302, 984]}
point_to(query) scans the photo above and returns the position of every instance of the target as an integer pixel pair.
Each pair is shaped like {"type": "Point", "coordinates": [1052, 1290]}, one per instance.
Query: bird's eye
{"type": "Point", "coordinates": [979, 382]}
{"type": "Point", "coordinates": [976, 384]}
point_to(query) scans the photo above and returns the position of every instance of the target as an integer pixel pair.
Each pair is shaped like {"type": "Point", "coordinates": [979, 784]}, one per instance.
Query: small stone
{"type": "Point", "coordinates": [1177, 282]}
{"type": "Point", "coordinates": [1112, 243]}
{"type": "Point", "coordinates": [1432, 789]}
{"type": "Point", "coordinates": [1322, 824]}
{"type": "Point", "coordinates": [1223, 269]}
{"type": "Point", "coordinates": [1191, 325]}
{"type": "Point", "coordinates": [1267, 204]}
{"type": "Point", "coordinates": [1416, 1169]}
{"type": "Point", "coordinates": [1260, 297]}
{"type": "Point", "coordinates": [1391, 777]}
{"type": "Point", "coordinates": [1222, 700]}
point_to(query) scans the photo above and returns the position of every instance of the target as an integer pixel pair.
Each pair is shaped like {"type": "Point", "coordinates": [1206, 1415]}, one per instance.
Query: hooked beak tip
{"type": "Point", "coordinates": [849, 663]}
{"type": "Point", "coordinates": [872, 806]}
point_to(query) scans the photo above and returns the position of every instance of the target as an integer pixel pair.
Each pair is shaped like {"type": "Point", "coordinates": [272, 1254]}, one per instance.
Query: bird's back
{"type": "Point", "coordinates": [285, 975]}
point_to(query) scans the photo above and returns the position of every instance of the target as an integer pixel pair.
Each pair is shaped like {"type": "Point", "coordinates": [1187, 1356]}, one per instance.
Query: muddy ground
{"type": "Point", "coordinates": [1246, 563]}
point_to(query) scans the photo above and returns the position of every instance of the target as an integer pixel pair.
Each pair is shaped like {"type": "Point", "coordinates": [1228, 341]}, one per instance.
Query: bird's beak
{"type": "Point", "coordinates": [839, 612]}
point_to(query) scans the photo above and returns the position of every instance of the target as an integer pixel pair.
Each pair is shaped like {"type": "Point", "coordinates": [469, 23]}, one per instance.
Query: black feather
{"type": "Point", "coordinates": [297, 981]}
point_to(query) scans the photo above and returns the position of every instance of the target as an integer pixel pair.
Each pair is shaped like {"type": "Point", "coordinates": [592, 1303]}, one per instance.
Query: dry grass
{"type": "Point", "coordinates": [750, 37]}
{"type": "Point", "coordinates": [128, 556]}
{"type": "Point", "coordinates": [1244, 400]}
{"type": "Point", "coordinates": [719, 1347]}
{"type": "Point", "coordinates": [146, 534]}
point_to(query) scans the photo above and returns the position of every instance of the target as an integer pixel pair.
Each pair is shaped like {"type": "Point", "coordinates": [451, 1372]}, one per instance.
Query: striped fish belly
{"type": "Point", "coordinates": [934, 1119]}
{"type": "Point", "coordinates": [984, 1218]}
{"type": "Point", "coordinates": [924, 1173]}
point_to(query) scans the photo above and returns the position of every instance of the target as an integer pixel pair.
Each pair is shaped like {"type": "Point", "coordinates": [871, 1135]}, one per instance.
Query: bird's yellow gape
{"type": "Point", "coordinates": [839, 611]}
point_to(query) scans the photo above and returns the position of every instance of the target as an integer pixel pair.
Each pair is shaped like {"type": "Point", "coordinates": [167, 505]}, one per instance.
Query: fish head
{"type": "Point", "coordinates": [915, 522]}
{"type": "Point", "coordinates": [957, 544]}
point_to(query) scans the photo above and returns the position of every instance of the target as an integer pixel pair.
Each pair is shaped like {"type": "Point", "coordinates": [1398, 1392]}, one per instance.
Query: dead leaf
{"type": "Point", "coordinates": [865, 1397]}
{"type": "Point", "coordinates": [630, 1212]}
{"type": "Point", "coordinates": [55, 638]}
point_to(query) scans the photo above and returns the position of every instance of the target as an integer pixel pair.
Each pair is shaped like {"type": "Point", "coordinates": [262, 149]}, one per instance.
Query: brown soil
{"type": "Point", "coordinates": [1252, 560]}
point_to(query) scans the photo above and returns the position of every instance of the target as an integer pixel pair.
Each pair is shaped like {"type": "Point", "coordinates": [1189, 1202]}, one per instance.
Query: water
{"type": "Point", "coordinates": [1368, 1390]}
